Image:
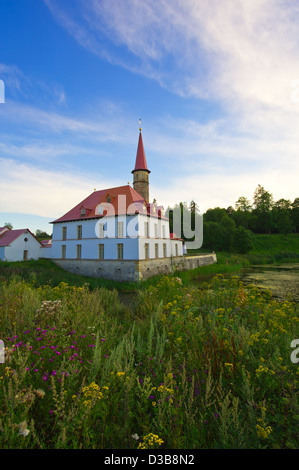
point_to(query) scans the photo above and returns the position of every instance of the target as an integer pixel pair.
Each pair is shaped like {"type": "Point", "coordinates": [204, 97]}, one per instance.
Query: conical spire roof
{"type": "Point", "coordinates": [140, 163]}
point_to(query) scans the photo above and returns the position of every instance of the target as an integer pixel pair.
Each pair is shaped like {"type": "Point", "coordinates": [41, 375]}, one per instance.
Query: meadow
{"type": "Point", "coordinates": [177, 366]}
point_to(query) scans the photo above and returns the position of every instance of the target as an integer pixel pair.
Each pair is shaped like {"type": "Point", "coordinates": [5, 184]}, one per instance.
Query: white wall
{"type": "Point", "coordinates": [90, 241]}
{"type": "Point", "coordinates": [133, 238]}
{"type": "Point", "coordinates": [15, 252]}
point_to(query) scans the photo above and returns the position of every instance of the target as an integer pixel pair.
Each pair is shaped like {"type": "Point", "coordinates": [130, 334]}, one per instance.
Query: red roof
{"type": "Point", "coordinates": [114, 201]}
{"type": "Point", "coordinates": [140, 163]}
{"type": "Point", "coordinates": [47, 243]}
{"type": "Point", "coordinates": [174, 236]}
{"type": "Point", "coordinates": [130, 200]}
{"type": "Point", "coordinates": [11, 235]}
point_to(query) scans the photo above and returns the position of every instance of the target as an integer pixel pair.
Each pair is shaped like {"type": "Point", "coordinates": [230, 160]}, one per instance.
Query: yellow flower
{"type": "Point", "coordinates": [120, 374]}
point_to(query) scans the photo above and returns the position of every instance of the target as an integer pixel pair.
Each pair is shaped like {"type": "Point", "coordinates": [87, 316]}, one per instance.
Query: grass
{"type": "Point", "coordinates": [267, 249]}
{"type": "Point", "coordinates": [182, 367]}
{"type": "Point", "coordinates": [45, 271]}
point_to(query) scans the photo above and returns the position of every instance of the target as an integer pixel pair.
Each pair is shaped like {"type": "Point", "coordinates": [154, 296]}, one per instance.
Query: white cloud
{"type": "Point", "coordinates": [28, 189]}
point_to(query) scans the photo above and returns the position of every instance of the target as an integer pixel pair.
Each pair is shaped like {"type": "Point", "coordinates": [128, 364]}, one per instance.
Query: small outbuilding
{"type": "Point", "coordinates": [18, 245]}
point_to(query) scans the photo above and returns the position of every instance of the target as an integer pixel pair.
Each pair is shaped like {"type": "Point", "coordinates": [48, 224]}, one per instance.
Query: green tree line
{"type": "Point", "coordinates": [233, 229]}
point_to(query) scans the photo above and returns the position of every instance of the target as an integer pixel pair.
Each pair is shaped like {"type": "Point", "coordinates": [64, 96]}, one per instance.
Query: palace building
{"type": "Point", "coordinates": [116, 232]}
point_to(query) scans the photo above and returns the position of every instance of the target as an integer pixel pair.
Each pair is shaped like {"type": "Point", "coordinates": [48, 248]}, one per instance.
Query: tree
{"type": "Point", "coordinates": [8, 225]}
{"type": "Point", "coordinates": [243, 204]}
{"type": "Point", "coordinates": [41, 234]}
{"type": "Point", "coordinates": [295, 214]}
{"type": "Point", "coordinates": [193, 207]}
{"type": "Point", "coordinates": [263, 203]}
{"type": "Point", "coordinates": [281, 215]}
{"type": "Point", "coordinates": [218, 230]}
{"type": "Point", "coordinates": [243, 240]}
{"type": "Point", "coordinates": [262, 200]}
{"type": "Point", "coordinates": [215, 215]}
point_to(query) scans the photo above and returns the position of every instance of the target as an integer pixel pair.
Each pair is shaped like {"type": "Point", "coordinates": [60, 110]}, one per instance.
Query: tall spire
{"type": "Point", "coordinates": [141, 172]}
{"type": "Point", "coordinates": [140, 163]}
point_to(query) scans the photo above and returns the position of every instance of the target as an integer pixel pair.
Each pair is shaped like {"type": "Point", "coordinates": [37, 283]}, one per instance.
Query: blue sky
{"type": "Point", "coordinates": [216, 85]}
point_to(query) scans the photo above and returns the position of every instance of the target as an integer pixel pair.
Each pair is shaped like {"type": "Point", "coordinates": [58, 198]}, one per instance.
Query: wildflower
{"type": "Point", "coordinates": [228, 365]}
{"type": "Point", "coordinates": [120, 374]}
{"type": "Point", "coordinates": [40, 393]}
{"type": "Point", "coordinates": [135, 436]}
{"type": "Point", "coordinates": [263, 432]}
{"type": "Point", "coordinates": [150, 441]}
{"type": "Point", "coordinates": [23, 429]}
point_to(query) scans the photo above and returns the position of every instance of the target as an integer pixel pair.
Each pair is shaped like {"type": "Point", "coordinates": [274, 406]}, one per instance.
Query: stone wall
{"type": "Point", "coordinates": [130, 270]}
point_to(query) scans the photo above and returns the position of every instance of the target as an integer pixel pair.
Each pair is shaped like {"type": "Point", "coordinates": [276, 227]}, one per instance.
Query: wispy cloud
{"type": "Point", "coordinates": [25, 188]}
{"type": "Point", "coordinates": [231, 50]}
{"type": "Point", "coordinates": [240, 54]}
{"type": "Point", "coordinates": [23, 87]}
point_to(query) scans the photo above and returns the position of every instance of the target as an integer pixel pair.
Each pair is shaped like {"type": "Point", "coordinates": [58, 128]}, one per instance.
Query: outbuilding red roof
{"type": "Point", "coordinates": [11, 235]}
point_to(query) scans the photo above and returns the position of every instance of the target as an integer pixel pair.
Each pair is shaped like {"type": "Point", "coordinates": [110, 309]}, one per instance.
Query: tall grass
{"type": "Point", "coordinates": [182, 367]}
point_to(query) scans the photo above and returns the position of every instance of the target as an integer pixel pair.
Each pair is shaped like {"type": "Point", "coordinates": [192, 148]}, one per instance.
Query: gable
{"type": "Point", "coordinates": [8, 237]}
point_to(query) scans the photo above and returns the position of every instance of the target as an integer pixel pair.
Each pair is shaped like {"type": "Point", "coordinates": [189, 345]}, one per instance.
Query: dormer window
{"type": "Point", "coordinates": [83, 212]}
{"type": "Point", "coordinates": [109, 199]}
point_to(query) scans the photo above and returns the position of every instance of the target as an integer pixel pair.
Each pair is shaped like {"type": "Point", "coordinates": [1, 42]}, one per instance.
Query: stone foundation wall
{"type": "Point", "coordinates": [130, 270]}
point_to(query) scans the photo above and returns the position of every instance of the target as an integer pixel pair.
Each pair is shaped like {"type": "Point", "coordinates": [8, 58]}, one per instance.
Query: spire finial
{"type": "Point", "coordinates": [140, 124]}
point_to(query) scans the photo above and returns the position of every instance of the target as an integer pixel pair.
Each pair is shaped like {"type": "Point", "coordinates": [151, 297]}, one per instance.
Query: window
{"type": "Point", "coordinates": [120, 251]}
{"type": "Point", "coordinates": [101, 230]}
{"type": "Point", "coordinates": [163, 231]}
{"type": "Point", "coordinates": [109, 199]}
{"type": "Point", "coordinates": [83, 212]}
{"type": "Point", "coordinates": [156, 250]}
{"type": "Point", "coordinates": [79, 232]}
{"type": "Point", "coordinates": [146, 229]}
{"type": "Point", "coordinates": [156, 230]}
{"type": "Point", "coordinates": [25, 255]}
{"type": "Point", "coordinates": [64, 229]}
{"type": "Point", "coordinates": [176, 250]}
{"type": "Point", "coordinates": [120, 229]}
{"type": "Point", "coordinates": [63, 251]}
{"type": "Point", "coordinates": [146, 250]}
{"type": "Point", "coordinates": [79, 251]}
{"type": "Point", "coordinates": [101, 251]}
{"type": "Point", "coordinates": [164, 250]}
